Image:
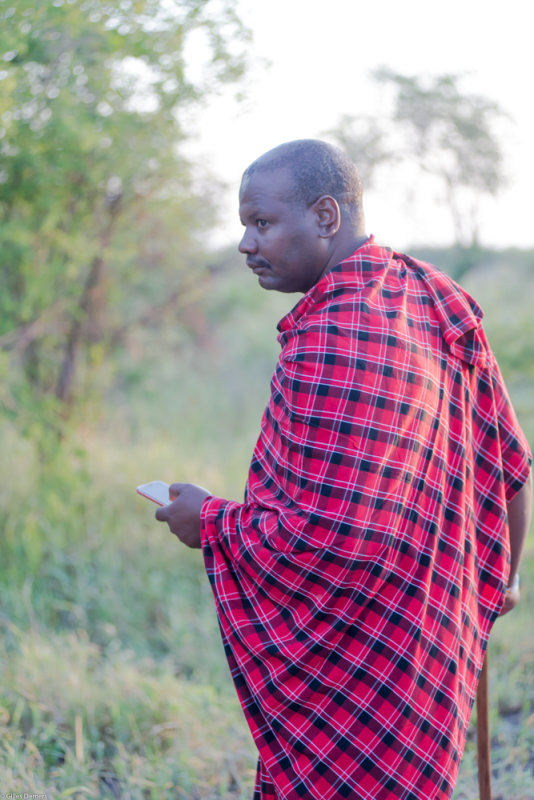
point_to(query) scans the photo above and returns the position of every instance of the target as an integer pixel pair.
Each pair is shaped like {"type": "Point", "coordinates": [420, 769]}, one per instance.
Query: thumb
{"type": "Point", "coordinates": [175, 489]}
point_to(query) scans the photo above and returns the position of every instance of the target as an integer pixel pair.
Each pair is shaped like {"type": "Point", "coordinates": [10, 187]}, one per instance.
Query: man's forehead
{"type": "Point", "coordinates": [266, 183]}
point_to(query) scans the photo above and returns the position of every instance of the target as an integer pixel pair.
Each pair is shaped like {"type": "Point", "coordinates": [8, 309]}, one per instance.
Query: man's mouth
{"type": "Point", "coordinates": [257, 266]}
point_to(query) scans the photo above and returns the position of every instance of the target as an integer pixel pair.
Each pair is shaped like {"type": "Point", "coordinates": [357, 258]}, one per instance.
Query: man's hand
{"type": "Point", "coordinates": [511, 598]}
{"type": "Point", "coordinates": [183, 513]}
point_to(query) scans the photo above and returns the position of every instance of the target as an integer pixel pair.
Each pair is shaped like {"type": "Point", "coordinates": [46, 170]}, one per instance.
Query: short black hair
{"type": "Point", "coordinates": [317, 168]}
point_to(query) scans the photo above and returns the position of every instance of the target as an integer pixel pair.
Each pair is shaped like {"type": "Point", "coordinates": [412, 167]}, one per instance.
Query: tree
{"type": "Point", "coordinates": [365, 141]}
{"type": "Point", "coordinates": [101, 215]}
{"type": "Point", "coordinates": [447, 133]}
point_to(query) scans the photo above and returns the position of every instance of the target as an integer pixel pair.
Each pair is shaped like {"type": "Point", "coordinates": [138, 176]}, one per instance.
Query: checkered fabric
{"type": "Point", "coordinates": [357, 584]}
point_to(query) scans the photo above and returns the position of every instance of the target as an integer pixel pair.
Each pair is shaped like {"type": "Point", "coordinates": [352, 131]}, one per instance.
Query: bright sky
{"type": "Point", "coordinates": [321, 53]}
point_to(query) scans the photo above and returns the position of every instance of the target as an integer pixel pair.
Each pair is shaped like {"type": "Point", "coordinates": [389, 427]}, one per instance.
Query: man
{"type": "Point", "coordinates": [386, 507]}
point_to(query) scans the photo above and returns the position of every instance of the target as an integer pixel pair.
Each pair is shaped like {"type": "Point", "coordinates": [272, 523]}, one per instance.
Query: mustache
{"type": "Point", "coordinates": [259, 263]}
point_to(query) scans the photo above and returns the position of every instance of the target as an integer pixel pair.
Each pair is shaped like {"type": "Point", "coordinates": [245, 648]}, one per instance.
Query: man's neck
{"type": "Point", "coordinates": [344, 247]}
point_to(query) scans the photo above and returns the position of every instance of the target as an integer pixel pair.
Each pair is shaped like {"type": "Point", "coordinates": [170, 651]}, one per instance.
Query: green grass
{"type": "Point", "coordinates": [114, 682]}
{"type": "Point", "coordinates": [83, 720]}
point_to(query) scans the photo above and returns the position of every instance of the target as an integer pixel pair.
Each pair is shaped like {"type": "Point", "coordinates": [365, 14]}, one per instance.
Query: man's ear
{"type": "Point", "coordinates": [328, 215]}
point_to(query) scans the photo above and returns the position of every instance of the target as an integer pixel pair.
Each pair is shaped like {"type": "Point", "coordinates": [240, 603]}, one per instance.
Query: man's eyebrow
{"type": "Point", "coordinates": [254, 213]}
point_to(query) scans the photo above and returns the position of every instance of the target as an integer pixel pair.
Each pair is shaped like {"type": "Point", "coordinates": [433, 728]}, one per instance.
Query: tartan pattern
{"type": "Point", "coordinates": [357, 584]}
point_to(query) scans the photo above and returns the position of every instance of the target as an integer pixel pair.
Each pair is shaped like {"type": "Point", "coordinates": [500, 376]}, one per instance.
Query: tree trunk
{"type": "Point", "coordinates": [75, 336]}
{"type": "Point", "coordinates": [88, 318]}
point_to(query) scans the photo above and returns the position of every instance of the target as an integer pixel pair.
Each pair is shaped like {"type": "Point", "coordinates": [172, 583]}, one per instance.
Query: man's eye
{"type": "Point", "coordinates": [261, 223]}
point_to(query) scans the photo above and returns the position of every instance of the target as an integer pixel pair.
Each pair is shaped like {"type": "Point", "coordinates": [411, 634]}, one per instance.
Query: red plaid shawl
{"type": "Point", "coordinates": [357, 584]}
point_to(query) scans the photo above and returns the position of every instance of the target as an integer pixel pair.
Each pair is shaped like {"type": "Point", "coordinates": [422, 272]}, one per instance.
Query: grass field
{"type": "Point", "coordinates": [113, 679]}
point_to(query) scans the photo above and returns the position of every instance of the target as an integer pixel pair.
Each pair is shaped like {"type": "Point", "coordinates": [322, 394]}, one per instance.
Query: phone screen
{"type": "Point", "coordinates": [157, 491]}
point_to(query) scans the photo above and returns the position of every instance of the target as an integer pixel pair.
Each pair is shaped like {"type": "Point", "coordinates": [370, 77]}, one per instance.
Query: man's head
{"type": "Point", "coordinates": [316, 168]}
{"type": "Point", "coordinates": [301, 205]}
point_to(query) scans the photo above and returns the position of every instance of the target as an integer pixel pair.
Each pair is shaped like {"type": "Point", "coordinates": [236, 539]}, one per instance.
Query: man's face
{"type": "Point", "coordinates": [281, 239]}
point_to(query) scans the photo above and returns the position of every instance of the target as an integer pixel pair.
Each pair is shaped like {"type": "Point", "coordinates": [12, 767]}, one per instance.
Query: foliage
{"type": "Point", "coordinates": [444, 131]}
{"type": "Point", "coordinates": [101, 215]}
{"type": "Point", "coordinates": [450, 133]}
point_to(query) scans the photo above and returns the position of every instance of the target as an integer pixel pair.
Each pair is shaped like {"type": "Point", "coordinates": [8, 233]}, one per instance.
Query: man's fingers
{"type": "Point", "coordinates": [162, 515]}
{"type": "Point", "coordinates": [510, 603]}
{"type": "Point", "coordinates": [182, 514]}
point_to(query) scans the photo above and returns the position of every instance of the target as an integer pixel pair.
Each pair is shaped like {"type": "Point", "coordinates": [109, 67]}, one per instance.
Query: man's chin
{"type": "Point", "coordinates": [266, 282]}
{"type": "Point", "coordinates": [265, 278]}
{"type": "Point", "coordinates": [272, 282]}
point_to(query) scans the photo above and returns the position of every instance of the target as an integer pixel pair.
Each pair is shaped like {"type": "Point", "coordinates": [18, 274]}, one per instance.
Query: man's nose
{"type": "Point", "coordinates": [248, 243]}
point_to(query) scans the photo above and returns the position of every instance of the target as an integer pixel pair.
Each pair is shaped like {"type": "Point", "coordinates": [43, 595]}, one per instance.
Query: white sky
{"type": "Point", "coordinates": [321, 53]}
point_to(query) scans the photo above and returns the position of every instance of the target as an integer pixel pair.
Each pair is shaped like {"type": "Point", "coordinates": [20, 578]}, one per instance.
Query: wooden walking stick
{"type": "Point", "coordinates": [483, 734]}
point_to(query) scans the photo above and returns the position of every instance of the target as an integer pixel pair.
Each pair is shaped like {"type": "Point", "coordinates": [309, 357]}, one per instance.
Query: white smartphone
{"type": "Point", "coordinates": [157, 491]}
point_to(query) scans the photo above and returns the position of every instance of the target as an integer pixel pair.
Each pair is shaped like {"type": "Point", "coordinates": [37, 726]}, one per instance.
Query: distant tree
{"type": "Point", "coordinates": [101, 215]}
{"type": "Point", "coordinates": [451, 135]}
{"type": "Point", "coordinates": [365, 140]}
{"type": "Point", "coordinates": [445, 132]}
